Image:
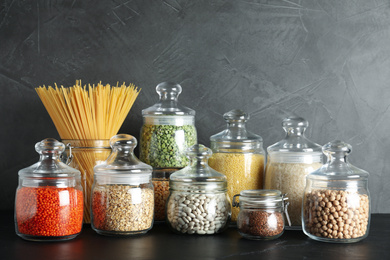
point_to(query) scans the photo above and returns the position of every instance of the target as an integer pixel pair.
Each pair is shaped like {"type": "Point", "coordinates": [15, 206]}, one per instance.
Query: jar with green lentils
{"type": "Point", "coordinates": [168, 130]}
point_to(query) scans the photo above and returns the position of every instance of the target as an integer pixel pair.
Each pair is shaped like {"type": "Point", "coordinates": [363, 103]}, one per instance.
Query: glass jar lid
{"type": "Point", "coordinates": [261, 198]}
{"type": "Point", "coordinates": [295, 146]}
{"type": "Point", "coordinates": [168, 106]}
{"type": "Point", "coordinates": [49, 165]}
{"type": "Point", "coordinates": [236, 136]}
{"type": "Point", "coordinates": [198, 174]}
{"type": "Point", "coordinates": [337, 166]}
{"type": "Point", "coordinates": [122, 166]}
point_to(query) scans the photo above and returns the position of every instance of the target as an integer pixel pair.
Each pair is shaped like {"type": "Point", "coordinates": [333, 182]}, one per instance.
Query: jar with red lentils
{"type": "Point", "coordinates": [262, 214]}
{"type": "Point", "coordinates": [49, 198]}
{"type": "Point", "coordinates": [336, 203]}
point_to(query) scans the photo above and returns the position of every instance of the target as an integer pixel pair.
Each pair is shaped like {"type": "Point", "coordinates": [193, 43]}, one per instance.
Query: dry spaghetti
{"type": "Point", "coordinates": [84, 116]}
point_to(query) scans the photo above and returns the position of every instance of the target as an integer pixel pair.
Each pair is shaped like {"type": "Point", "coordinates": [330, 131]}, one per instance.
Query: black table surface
{"type": "Point", "coordinates": [161, 243]}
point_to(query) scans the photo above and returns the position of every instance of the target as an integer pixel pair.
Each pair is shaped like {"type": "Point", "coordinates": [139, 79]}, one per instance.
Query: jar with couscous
{"type": "Point", "coordinates": [239, 155]}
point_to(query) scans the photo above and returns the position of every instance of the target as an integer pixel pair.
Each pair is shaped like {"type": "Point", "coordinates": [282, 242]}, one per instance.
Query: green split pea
{"type": "Point", "coordinates": [164, 146]}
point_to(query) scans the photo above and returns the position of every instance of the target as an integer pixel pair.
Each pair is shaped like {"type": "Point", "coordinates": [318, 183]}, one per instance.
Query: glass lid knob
{"type": "Point", "coordinates": [49, 145]}
{"type": "Point", "coordinates": [199, 151]}
{"type": "Point", "coordinates": [236, 115]}
{"type": "Point", "coordinates": [337, 147]}
{"type": "Point", "coordinates": [123, 141]}
{"type": "Point", "coordinates": [168, 90]}
{"type": "Point", "coordinates": [295, 125]}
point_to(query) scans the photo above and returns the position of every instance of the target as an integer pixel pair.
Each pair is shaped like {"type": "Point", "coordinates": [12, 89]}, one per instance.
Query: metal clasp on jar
{"type": "Point", "coordinates": [235, 204]}
{"type": "Point", "coordinates": [285, 206]}
{"type": "Point", "coordinates": [69, 158]}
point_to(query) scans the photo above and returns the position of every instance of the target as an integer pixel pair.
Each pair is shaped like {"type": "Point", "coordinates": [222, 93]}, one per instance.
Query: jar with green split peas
{"type": "Point", "coordinates": [336, 203]}
{"type": "Point", "coordinates": [238, 154]}
{"type": "Point", "coordinates": [49, 198]}
{"type": "Point", "coordinates": [168, 130]}
{"type": "Point", "coordinates": [122, 192]}
{"type": "Point", "coordinates": [289, 161]}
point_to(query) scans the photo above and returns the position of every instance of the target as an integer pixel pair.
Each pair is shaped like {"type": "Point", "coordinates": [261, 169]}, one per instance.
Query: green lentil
{"type": "Point", "coordinates": [163, 146]}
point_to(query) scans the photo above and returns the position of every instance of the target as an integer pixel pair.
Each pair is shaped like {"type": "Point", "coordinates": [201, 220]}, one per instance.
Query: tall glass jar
{"type": "Point", "coordinates": [288, 163]}
{"type": "Point", "coordinates": [49, 198]}
{"type": "Point", "coordinates": [87, 153]}
{"type": "Point", "coordinates": [239, 155]}
{"type": "Point", "coordinates": [122, 193]}
{"type": "Point", "coordinates": [198, 202]}
{"type": "Point", "coordinates": [168, 130]}
{"type": "Point", "coordinates": [336, 204]}
{"type": "Point", "coordinates": [262, 214]}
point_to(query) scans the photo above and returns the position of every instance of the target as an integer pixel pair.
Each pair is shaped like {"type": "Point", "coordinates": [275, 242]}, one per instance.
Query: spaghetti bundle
{"type": "Point", "coordinates": [86, 118]}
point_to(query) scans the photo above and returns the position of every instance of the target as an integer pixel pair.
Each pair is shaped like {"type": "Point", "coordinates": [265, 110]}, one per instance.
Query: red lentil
{"type": "Point", "coordinates": [161, 194]}
{"type": "Point", "coordinates": [49, 211]}
{"type": "Point", "coordinates": [261, 223]}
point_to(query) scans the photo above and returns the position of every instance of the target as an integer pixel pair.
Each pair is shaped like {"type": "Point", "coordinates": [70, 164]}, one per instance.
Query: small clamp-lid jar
{"type": "Point", "coordinates": [198, 202]}
{"type": "Point", "coordinates": [238, 154]}
{"type": "Point", "coordinates": [336, 205]}
{"type": "Point", "coordinates": [122, 192]}
{"type": "Point", "coordinates": [49, 198]}
{"type": "Point", "coordinates": [262, 213]}
{"type": "Point", "coordinates": [289, 161]}
{"type": "Point", "coordinates": [168, 130]}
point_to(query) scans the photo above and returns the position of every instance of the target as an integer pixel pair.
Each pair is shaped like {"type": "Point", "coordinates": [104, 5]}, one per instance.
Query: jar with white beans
{"type": "Point", "coordinates": [198, 201]}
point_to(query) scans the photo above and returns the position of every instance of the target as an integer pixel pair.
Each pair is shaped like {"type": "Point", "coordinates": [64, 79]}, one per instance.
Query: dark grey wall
{"type": "Point", "coordinates": [325, 60]}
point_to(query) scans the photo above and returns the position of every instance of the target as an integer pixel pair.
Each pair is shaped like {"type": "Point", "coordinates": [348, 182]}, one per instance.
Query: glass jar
{"type": "Point", "coordinates": [87, 153]}
{"type": "Point", "coordinates": [239, 155]}
{"type": "Point", "coordinates": [336, 204]}
{"type": "Point", "coordinates": [289, 161]}
{"type": "Point", "coordinates": [49, 198]}
{"type": "Point", "coordinates": [160, 179]}
{"type": "Point", "coordinates": [261, 214]}
{"type": "Point", "coordinates": [122, 192]}
{"type": "Point", "coordinates": [198, 202]}
{"type": "Point", "coordinates": [168, 130]}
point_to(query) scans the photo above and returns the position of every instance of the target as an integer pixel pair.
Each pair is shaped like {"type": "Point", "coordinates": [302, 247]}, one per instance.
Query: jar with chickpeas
{"type": "Point", "coordinates": [239, 155]}
{"type": "Point", "coordinates": [336, 202]}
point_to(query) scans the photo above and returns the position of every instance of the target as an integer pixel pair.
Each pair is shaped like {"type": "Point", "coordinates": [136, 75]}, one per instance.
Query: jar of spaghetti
{"type": "Point", "coordinates": [86, 154]}
{"type": "Point", "coordinates": [289, 162]}
{"type": "Point", "coordinates": [49, 198]}
{"type": "Point", "coordinates": [122, 192]}
{"type": "Point", "coordinates": [262, 214]}
{"type": "Point", "coordinates": [168, 130]}
{"type": "Point", "coordinates": [336, 204]}
{"type": "Point", "coordinates": [239, 155]}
